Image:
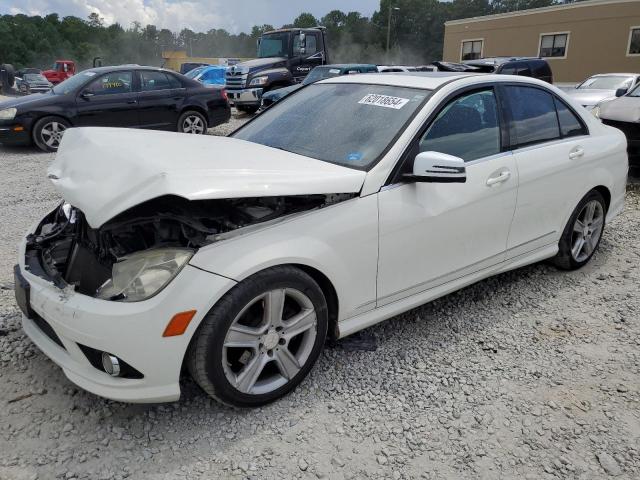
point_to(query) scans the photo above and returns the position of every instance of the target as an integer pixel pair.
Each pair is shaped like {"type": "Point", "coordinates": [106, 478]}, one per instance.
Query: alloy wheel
{"type": "Point", "coordinates": [587, 230]}
{"type": "Point", "coordinates": [269, 341]}
{"type": "Point", "coordinates": [193, 124]}
{"type": "Point", "coordinates": [52, 133]}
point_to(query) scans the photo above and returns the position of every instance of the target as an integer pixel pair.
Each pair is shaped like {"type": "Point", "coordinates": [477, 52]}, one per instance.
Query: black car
{"type": "Point", "coordinates": [123, 96]}
{"type": "Point", "coordinates": [28, 83]}
{"type": "Point", "coordinates": [525, 66]}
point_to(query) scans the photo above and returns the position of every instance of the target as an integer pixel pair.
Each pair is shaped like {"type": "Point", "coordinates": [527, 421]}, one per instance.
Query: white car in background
{"type": "Point", "coordinates": [602, 87]}
{"type": "Point", "coordinates": [351, 201]}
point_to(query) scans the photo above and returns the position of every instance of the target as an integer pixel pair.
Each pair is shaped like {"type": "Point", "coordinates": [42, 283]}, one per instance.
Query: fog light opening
{"type": "Point", "coordinates": [111, 364]}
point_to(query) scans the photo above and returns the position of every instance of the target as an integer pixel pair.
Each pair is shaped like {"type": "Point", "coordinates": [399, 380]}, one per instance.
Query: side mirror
{"type": "Point", "coordinates": [86, 94]}
{"type": "Point", "coordinates": [437, 167]}
{"type": "Point", "coordinates": [621, 91]}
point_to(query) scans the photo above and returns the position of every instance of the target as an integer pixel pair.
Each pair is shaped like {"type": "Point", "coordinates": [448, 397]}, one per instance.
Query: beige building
{"type": "Point", "coordinates": [578, 39]}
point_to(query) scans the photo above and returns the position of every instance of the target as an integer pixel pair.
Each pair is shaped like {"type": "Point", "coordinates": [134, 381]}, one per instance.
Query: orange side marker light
{"type": "Point", "coordinates": [179, 323]}
{"type": "Point", "coordinates": [19, 128]}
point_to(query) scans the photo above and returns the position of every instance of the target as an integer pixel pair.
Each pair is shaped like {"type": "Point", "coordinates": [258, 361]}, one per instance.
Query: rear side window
{"type": "Point", "coordinates": [173, 81]}
{"type": "Point", "coordinates": [534, 115]}
{"type": "Point", "coordinates": [467, 127]}
{"type": "Point", "coordinates": [154, 81]}
{"type": "Point", "coordinates": [570, 125]}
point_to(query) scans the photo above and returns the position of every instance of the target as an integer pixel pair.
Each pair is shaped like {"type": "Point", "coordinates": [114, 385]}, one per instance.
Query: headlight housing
{"type": "Point", "coordinates": [595, 111]}
{"type": "Point", "coordinates": [141, 275]}
{"type": "Point", "coordinates": [8, 113]}
{"type": "Point", "coordinates": [259, 81]}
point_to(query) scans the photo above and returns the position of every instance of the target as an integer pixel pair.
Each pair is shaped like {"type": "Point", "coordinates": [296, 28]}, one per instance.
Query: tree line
{"type": "Point", "coordinates": [417, 31]}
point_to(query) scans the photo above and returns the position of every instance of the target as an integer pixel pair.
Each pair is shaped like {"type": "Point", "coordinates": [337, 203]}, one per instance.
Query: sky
{"type": "Point", "coordinates": [199, 15]}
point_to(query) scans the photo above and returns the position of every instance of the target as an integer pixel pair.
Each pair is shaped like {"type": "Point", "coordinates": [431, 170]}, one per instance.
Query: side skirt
{"type": "Point", "coordinates": [351, 325]}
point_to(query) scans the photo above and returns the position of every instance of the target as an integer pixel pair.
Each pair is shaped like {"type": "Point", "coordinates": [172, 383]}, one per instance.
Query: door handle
{"type": "Point", "coordinates": [501, 177]}
{"type": "Point", "coordinates": [576, 153]}
{"type": "Point", "coordinates": [132, 101]}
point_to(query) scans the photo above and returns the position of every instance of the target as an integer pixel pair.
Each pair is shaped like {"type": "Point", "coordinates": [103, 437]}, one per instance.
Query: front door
{"type": "Point", "coordinates": [303, 63]}
{"type": "Point", "coordinates": [108, 101]}
{"type": "Point", "coordinates": [434, 233]}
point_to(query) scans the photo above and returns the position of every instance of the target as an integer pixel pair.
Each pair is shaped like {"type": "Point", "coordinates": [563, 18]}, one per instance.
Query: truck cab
{"type": "Point", "coordinates": [285, 57]}
{"type": "Point", "coordinates": [61, 70]}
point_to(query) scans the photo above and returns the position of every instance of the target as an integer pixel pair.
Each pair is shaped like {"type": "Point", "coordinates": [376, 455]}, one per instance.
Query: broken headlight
{"type": "Point", "coordinates": [143, 274]}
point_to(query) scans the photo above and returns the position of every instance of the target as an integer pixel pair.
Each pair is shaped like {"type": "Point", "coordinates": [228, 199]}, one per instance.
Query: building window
{"type": "Point", "coordinates": [471, 49]}
{"type": "Point", "coordinates": [634, 41]}
{"type": "Point", "coordinates": [554, 45]}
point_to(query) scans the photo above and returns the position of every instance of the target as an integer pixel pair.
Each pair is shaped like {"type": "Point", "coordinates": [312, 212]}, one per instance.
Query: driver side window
{"type": "Point", "coordinates": [111, 83]}
{"type": "Point", "coordinates": [311, 45]}
{"type": "Point", "coordinates": [467, 127]}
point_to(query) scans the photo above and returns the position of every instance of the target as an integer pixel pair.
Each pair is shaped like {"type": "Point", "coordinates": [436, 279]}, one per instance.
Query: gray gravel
{"type": "Point", "coordinates": [534, 374]}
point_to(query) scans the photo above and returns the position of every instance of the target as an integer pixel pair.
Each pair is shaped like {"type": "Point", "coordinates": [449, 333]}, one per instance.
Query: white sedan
{"type": "Point", "coordinates": [351, 201]}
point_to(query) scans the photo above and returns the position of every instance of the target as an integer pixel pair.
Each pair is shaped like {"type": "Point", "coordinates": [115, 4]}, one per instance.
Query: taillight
{"type": "Point", "coordinates": [223, 92]}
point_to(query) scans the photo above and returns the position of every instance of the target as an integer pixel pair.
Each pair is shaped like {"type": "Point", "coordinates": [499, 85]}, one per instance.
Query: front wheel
{"type": "Point", "coordinates": [582, 233]}
{"type": "Point", "coordinates": [192, 122]}
{"type": "Point", "coordinates": [261, 339]}
{"type": "Point", "coordinates": [48, 132]}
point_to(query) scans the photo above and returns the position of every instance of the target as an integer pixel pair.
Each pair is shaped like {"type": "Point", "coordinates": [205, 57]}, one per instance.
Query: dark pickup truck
{"type": "Point", "coordinates": [285, 57]}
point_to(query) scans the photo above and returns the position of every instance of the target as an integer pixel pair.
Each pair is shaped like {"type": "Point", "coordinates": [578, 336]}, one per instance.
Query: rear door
{"type": "Point", "coordinates": [552, 150]}
{"type": "Point", "coordinates": [161, 97]}
{"type": "Point", "coordinates": [111, 100]}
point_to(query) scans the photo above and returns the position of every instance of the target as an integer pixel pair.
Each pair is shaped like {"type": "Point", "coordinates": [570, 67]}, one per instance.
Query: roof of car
{"type": "Point", "coordinates": [347, 65]}
{"type": "Point", "coordinates": [498, 60]}
{"type": "Point", "coordinates": [427, 80]}
{"type": "Point", "coordinates": [621, 74]}
{"type": "Point", "coordinates": [111, 68]}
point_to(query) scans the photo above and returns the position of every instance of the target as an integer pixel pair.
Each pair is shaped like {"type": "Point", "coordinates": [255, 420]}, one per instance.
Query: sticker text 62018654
{"type": "Point", "coordinates": [384, 101]}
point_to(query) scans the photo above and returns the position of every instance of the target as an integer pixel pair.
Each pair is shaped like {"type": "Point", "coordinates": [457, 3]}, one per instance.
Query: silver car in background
{"type": "Point", "coordinates": [601, 87]}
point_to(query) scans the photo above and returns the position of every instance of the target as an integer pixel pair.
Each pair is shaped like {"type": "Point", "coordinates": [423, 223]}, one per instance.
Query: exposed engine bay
{"type": "Point", "coordinates": [66, 250]}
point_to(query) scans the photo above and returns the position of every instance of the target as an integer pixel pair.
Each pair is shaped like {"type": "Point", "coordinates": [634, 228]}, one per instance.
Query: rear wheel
{"type": "Point", "coordinates": [192, 122]}
{"type": "Point", "coordinates": [48, 132]}
{"type": "Point", "coordinates": [261, 339]}
{"type": "Point", "coordinates": [582, 233]}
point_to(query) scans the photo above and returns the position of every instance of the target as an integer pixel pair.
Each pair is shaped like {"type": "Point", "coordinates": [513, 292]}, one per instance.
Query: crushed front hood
{"type": "Point", "coordinates": [105, 171]}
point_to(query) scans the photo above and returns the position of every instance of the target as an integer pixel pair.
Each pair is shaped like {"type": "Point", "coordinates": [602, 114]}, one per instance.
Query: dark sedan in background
{"type": "Point", "coordinates": [29, 83]}
{"type": "Point", "coordinates": [123, 96]}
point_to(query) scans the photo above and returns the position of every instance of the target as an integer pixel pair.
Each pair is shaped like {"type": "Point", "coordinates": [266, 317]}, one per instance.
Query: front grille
{"type": "Point", "coordinates": [47, 329]}
{"type": "Point", "coordinates": [235, 80]}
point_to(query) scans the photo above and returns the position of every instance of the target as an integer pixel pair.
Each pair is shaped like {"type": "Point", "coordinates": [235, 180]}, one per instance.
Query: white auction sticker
{"type": "Point", "coordinates": [384, 101]}
{"type": "Point", "coordinates": [334, 70]}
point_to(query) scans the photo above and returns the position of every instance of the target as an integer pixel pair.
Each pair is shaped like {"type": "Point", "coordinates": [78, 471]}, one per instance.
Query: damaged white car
{"type": "Point", "coordinates": [353, 200]}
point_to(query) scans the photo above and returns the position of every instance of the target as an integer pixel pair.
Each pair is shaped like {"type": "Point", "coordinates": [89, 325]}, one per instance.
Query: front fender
{"type": "Point", "coordinates": [341, 241]}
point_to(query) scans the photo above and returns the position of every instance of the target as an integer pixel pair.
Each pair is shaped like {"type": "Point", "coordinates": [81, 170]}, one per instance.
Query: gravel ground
{"type": "Point", "coordinates": [533, 374]}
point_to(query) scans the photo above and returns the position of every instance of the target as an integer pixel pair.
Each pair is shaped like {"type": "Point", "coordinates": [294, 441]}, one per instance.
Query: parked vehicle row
{"type": "Point", "coordinates": [124, 96]}
{"type": "Point", "coordinates": [238, 260]}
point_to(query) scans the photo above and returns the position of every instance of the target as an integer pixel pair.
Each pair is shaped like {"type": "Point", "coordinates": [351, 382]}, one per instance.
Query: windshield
{"type": "Point", "coordinates": [273, 45]}
{"type": "Point", "coordinates": [72, 83]}
{"type": "Point", "coordinates": [349, 124]}
{"type": "Point", "coordinates": [34, 77]}
{"type": "Point", "coordinates": [635, 92]}
{"type": "Point", "coordinates": [193, 73]}
{"type": "Point", "coordinates": [320, 73]}
{"type": "Point", "coordinates": [610, 82]}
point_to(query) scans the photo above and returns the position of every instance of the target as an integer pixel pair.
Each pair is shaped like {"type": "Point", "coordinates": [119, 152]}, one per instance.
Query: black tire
{"type": "Point", "coordinates": [192, 122]}
{"type": "Point", "coordinates": [205, 354]}
{"type": "Point", "coordinates": [10, 75]}
{"type": "Point", "coordinates": [39, 136]}
{"type": "Point", "coordinates": [565, 259]}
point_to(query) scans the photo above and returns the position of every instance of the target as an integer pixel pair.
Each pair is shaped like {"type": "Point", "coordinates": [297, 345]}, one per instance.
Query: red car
{"type": "Point", "coordinates": [61, 70]}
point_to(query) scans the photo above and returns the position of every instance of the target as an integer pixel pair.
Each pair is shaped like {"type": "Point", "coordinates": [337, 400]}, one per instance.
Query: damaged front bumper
{"type": "Point", "coordinates": [71, 328]}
